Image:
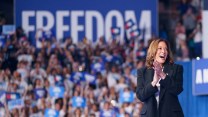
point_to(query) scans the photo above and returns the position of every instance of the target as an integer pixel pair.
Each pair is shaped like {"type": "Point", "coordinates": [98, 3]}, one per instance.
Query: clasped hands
{"type": "Point", "coordinates": [158, 73]}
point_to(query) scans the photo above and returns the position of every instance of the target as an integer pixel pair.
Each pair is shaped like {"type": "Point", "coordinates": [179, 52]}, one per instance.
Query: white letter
{"type": "Point", "coordinates": [40, 18]}
{"type": "Point", "coordinates": [25, 21]}
{"type": "Point", "coordinates": [119, 23]}
{"type": "Point", "coordinates": [60, 27]}
{"type": "Point", "coordinates": [205, 75]}
{"type": "Point", "coordinates": [198, 76]}
{"type": "Point", "coordinates": [74, 24]}
{"type": "Point", "coordinates": [145, 23]}
{"type": "Point", "coordinates": [89, 24]}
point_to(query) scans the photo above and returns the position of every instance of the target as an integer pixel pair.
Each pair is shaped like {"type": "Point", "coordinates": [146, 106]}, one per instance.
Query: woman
{"type": "Point", "coordinates": [160, 82]}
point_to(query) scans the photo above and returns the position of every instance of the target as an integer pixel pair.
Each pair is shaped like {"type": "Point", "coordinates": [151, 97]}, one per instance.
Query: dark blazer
{"type": "Point", "coordinates": [170, 88]}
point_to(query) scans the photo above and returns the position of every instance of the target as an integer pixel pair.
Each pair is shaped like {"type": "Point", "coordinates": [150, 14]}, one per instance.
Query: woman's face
{"type": "Point", "coordinates": [162, 52]}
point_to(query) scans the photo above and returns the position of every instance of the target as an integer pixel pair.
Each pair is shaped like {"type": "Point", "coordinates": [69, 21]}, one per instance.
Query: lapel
{"type": "Point", "coordinates": [149, 75]}
{"type": "Point", "coordinates": [167, 70]}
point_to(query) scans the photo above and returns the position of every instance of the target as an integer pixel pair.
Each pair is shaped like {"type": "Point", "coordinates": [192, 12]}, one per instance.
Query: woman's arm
{"type": "Point", "coordinates": [144, 91]}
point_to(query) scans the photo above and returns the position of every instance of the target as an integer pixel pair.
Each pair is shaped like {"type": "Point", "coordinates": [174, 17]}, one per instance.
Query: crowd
{"type": "Point", "coordinates": [67, 79]}
{"type": "Point", "coordinates": [184, 27]}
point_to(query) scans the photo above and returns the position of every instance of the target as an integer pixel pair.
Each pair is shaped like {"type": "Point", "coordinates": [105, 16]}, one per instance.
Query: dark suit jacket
{"type": "Point", "coordinates": [170, 88]}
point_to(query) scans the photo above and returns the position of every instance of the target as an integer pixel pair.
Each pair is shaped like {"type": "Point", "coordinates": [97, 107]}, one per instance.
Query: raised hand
{"type": "Point", "coordinates": [158, 69]}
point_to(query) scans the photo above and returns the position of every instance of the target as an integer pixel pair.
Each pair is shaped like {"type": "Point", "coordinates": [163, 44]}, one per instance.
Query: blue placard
{"type": "Point", "coordinates": [8, 29]}
{"type": "Point", "coordinates": [2, 40]}
{"type": "Point", "coordinates": [86, 18]}
{"type": "Point", "coordinates": [3, 86]}
{"type": "Point", "coordinates": [17, 103]}
{"type": "Point", "coordinates": [126, 96]}
{"type": "Point", "coordinates": [78, 101]}
{"type": "Point", "coordinates": [2, 98]}
{"type": "Point", "coordinates": [90, 78]}
{"type": "Point", "coordinates": [76, 77]}
{"type": "Point", "coordinates": [59, 80]}
{"type": "Point", "coordinates": [51, 113]}
{"type": "Point", "coordinates": [115, 31]}
{"type": "Point", "coordinates": [129, 24]}
{"type": "Point", "coordinates": [107, 113]}
{"type": "Point", "coordinates": [200, 77]}
{"type": "Point", "coordinates": [12, 96]}
{"type": "Point", "coordinates": [39, 93]}
{"type": "Point", "coordinates": [98, 67]}
{"type": "Point", "coordinates": [56, 91]}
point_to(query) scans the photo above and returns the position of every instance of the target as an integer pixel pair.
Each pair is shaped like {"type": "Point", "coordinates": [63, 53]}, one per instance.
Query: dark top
{"type": "Point", "coordinates": [170, 88]}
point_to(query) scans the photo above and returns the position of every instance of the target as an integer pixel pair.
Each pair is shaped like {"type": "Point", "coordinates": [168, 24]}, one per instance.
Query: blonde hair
{"type": "Point", "coordinates": [152, 50]}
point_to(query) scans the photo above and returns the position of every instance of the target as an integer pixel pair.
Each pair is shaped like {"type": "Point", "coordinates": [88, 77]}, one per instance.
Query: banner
{"type": "Point", "coordinates": [200, 77]}
{"type": "Point", "coordinates": [91, 18]}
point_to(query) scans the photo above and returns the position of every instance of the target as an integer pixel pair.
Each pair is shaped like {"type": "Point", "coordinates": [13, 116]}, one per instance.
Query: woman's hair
{"type": "Point", "coordinates": [152, 50]}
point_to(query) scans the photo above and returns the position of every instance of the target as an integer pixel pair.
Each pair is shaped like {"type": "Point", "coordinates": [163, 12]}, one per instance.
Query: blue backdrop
{"type": "Point", "coordinates": [193, 106]}
{"type": "Point", "coordinates": [80, 18]}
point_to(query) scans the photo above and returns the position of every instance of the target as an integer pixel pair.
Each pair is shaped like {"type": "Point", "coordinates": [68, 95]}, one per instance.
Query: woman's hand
{"type": "Point", "coordinates": [159, 70]}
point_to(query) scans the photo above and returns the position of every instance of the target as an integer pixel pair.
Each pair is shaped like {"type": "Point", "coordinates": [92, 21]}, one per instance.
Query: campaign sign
{"type": "Point", "coordinates": [107, 113]}
{"type": "Point", "coordinates": [126, 96]}
{"type": "Point", "coordinates": [12, 96]}
{"type": "Point", "coordinates": [2, 98]}
{"type": "Point", "coordinates": [98, 67]}
{"type": "Point", "coordinates": [87, 18]}
{"type": "Point", "coordinates": [90, 78]}
{"type": "Point", "coordinates": [78, 101]}
{"type": "Point", "coordinates": [18, 103]}
{"type": "Point", "coordinates": [59, 80]}
{"type": "Point", "coordinates": [200, 77]}
{"type": "Point", "coordinates": [76, 77]}
{"type": "Point", "coordinates": [56, 91]}
{"type": "Point", "coordinates": [51, 113]}
{"type": "Point", "coordinates": [36, 115]}
{"type": "Point", "coordinates": [8, 29]}
{"type": "Point", "coordinates": [39, 93]}
{"type": "Point", "coordinates": [3, 86]}
{"type": "Point", "coordinates": [2, 40]}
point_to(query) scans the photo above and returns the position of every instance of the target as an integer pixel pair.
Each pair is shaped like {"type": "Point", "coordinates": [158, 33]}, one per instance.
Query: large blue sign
{"type": "Point", "coordinates": [78, 101]}
{"type": "Point", "coordinates": [200, 77]}
{"type": "Point", "coordinates": [51, 113]}
{"type": "Point", "coordinates": [56, 91]}
{"type": "Point", "coordinates": [86, 18]}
